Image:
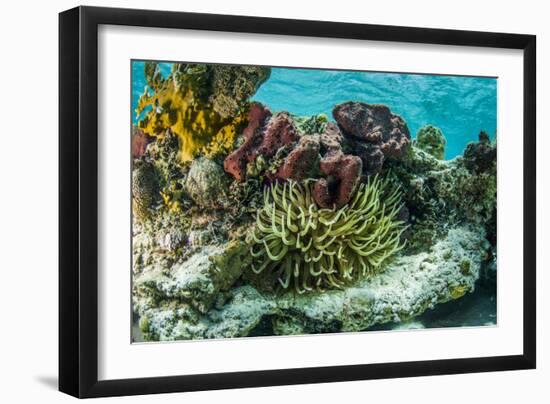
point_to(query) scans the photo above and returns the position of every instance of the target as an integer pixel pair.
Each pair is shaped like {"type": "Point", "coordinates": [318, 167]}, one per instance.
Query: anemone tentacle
{"type": "Point", "coordinates": [310, 248]}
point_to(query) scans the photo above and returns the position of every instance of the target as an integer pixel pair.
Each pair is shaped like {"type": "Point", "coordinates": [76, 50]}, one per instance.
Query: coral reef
{"type": "Point", "coordinates": [199, 280]}
{"type": "Point", "coordinates": [430, 139]}
{"type": "Point", "coordinates": [248, 222]}
{"type": "Point", "coordinates": [307, 248]}
{"type": "Point", "coordinates": [439, 194]}
{"type": "Point", "coordinates": [204, 105]}
{"type": "Point", "coordinates": [408, 287]}
{"type": "Point", "coordinates": [163, 153]}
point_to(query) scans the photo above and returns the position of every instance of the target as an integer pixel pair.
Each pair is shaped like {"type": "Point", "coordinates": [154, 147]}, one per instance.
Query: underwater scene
{"type": "Point", "coordinates": [274, 201]}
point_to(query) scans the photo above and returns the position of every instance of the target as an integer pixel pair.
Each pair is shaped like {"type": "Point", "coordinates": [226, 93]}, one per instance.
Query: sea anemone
{"type": "Point", "coordinates": [310, 248]}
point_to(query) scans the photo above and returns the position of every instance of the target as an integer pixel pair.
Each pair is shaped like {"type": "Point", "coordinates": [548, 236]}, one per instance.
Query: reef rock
{"type": "Point", "coordinates": [231, 86]}
{"type": "Point", "coordinates": [188, 309]}
{"type": "Point", "coordinates": [197, 281]}
{"type": "Point", "coordinates": [373, 132]}
{"type": "Point", "coordinates": [438, 193]}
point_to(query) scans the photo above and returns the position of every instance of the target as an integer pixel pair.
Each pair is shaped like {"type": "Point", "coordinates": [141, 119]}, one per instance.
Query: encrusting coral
{"type": "Point", "coordinates": [310, 248]}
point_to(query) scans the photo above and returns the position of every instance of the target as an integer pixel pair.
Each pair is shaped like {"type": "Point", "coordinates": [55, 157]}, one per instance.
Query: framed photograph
{"type": "Point", "coordinates": [251, 201]}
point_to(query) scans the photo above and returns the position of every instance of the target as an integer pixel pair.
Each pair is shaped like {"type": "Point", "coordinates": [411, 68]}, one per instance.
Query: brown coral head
{"type": "Point", "coordinates": [343, 173]}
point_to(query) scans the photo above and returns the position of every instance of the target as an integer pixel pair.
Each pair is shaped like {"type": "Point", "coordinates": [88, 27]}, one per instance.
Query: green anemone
{"type": "Point", "coordinates": [308, 248]}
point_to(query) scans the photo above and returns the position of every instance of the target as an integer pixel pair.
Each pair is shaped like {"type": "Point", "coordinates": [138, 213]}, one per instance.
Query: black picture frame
{"type": "Point", "coordinates": [78, 201]}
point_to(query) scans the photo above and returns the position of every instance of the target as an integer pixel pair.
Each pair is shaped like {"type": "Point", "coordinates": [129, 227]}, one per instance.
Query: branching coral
{"type": "Point", "coordinates": [305, 247]}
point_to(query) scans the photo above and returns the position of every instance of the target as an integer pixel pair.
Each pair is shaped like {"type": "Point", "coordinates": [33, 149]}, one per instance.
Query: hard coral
{"type": "Point", "coordinates": [230, 86]}
{"type": "Point", "coordinates": [163, 153]}
{"type": "Point", "coordinates": [373, 131]}
{"type": "Point", "coordinates": [310, 248]}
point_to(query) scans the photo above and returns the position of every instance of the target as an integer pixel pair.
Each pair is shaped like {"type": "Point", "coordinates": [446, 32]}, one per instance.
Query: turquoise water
{"type": "Point", "coordinates": [459, 106]}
